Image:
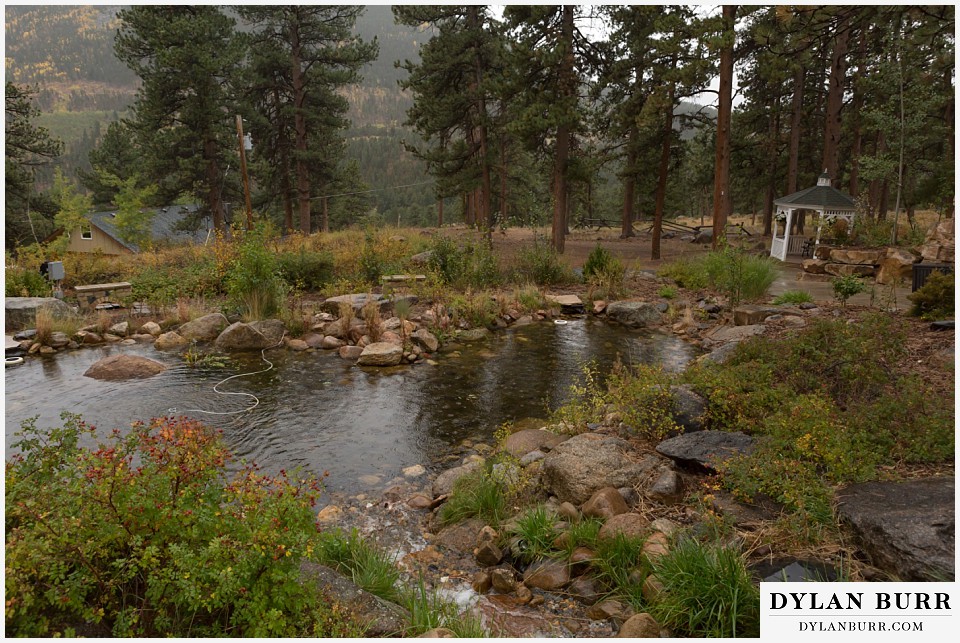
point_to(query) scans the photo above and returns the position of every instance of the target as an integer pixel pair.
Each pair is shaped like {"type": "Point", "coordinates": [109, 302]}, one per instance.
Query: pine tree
{"type": "Point", "coordinates": [26, 146]}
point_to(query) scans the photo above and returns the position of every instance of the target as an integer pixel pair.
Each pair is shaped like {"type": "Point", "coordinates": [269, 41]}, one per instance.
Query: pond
{"type": "Point", "coordinates": [323, 413]}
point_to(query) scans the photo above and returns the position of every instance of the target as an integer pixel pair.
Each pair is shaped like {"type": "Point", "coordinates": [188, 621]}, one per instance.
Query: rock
{"type": "Point", "coordinates": [380, 617]}
{"type": "Point", "coordinates": [58, 339]}
{"type": "Point", "coordinates": [350, 352]}
{"type": "Point", "coordinates": [488, 554]}
{"type": "Point", "coordinates": [584, 590]}
{"type": "Point", "coordinates": [656, 546]}
{"type": "Point", "coordinates": [740, 514]}
{"type": "Point", "coordinates": [569, 304]}
{"type": "Point", "coordinates": [414, 471]}
{"type": "Point", "coordinates": [170, 340]}
{"type": "Point", "coordinates": [425, 340]}
{"type": "Point", "coordinates": [706, 448]}
{"type": "Point", "coordinates": [504, 580]}
{"type": "Point", "coordinates": [272, 329]}
{"type": "Point", "coordinates": [419, 501]}
{"type": "Point", "coordinates": [381, 354]}
{"type": "Point", "coordinates": [108, 337]}
{"type": "Point", "coordinates": [47, 350]}
{"type": "Point", "coordinates": [523, 593]}
{"type": "Point", "coordinates": [124, 367]}
{"type": "Point", "coordinates": [631, 525]}
{"type": "Point", "coordinates": [856, 257]}
{"type": "Point", "coordinates": [88, 338]}
{"type": "Point", "coordinates": [629, 495]}
{"type": "Point", "coordinates": [329, 342]}
{"type": "Point", "coordinates": [723, 334]}
{"type": "Point", "coordinates": [569, 512]}
{"type": "Point", "coordinates": [533, 456]}
{"type": "Point", "coordinates": [204, 329]}
{"type": "Point", "coordinates": [120, 328]}
{"type": "Point", "coordinates": [473, 334]}
{"type": "Point", "coordinates": [297, 345]}
{"type": "Point", "coordinates": [460, 537]}
{"type": "Point", "coordinates": [581, 465]}
{"type": "Point", "coordinates": [30, 333]}
{"type": "Point", "coordinates": [506, 474]}
{"type": "Point", "coordinates": [599, 307]}
{"type": "Point", "coordinates": [814, 266]}
{"type": "Point", "coordinates": [151, 328]}
{"type": "Point", "coordinates": [329, 514]}
{"type": "Point", "coordinates": [548, 574]}
{"type": "Point", "coordinates": [652, 588]}
{"type": "Point", "coordinates": [242, 337]}
{"type": "Point", "coordinates": [639, 626]}
{"type": "Point", "coordinates": [523, 442]}
{"type": "Point", "coordinates": [443, 485]}
{"type": "Point", "coordinates": [357, 300]}
{"type": "Point", "coordinates": [21, 312]}
{"type": "Point", "coordinates": [721, 354]}
{"type": "Point", "coordinates": [438, 633]}
{"type": "Point", "coordinates": [606, 610]}
{"type": "Point", "coordinates": [580, 560]}
{"type": "Point", "coordinates": [482, 582]}
{"type": "Point", "coordinates": [849, 269]}
{"type": "Point", "coordinates": [665, 525]}
{"type": "Point", "coordinates": [605, 503]}
{"type": "Point", "coordinates": [750, 314]}
{"type": "Point", "coordinates": [940, 243]}
{"type": "Point", "coordinates": [896, 264]}
{"type": "Point", "coordinates": [668, 488]}
{"type": "Point", "coordinates": [421, 259]}
{"type": "Point", "coordinates": [690, 408]}
{"type": "Point", "coordinates": [794, 321]}
{"type": "Point", "coordinates": [636, 314]}
{"type": "Point", "coordinates": [907, 528]}
{"type": "Point", "coordinates": [704, 235]}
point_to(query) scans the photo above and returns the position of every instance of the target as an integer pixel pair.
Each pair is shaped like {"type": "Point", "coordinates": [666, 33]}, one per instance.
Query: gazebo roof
{"type": "Point", "coordinates": [822, 195]}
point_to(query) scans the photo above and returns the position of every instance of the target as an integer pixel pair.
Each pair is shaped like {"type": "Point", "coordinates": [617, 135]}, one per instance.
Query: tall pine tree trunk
{"type": "Point", "coordinates": [857, 144]}
{"type": "Point", "coordinates": [300, 132]}
{"type": "Point", "coordinates": [503, 182]}
{"type": "Point", "coordinates": [796, 118]}
{"type": "Point", "coordinates": [214, 182]}
{"type": "Point", "coordinates": [832, 122]}
{"type": "Point", "coordinates": [629, 181]}
{"type": "Point", "coordinates": [721, 176]}
{"type": "Point", "coordinates": [284, 170]}
{"type": "Point", "coordinates": [562, 153]}
{"type": "Point", "coordinates": [662, 175]}
{"type": "Point", "coordinates": [772, 136]}
{"type": "Point", "coordinates": [485, 212]}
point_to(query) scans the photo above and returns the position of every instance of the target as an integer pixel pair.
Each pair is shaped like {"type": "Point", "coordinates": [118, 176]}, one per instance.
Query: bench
{"type": "Point", "coordinates": [91, 295]}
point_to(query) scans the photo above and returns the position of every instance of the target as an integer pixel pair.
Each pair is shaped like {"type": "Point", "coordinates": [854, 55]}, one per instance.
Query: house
{"type": "Point", "coordinates": [102, 235]}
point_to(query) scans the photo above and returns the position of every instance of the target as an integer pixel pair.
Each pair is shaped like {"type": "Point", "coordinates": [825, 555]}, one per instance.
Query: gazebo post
{"type": "Point", "coordinates": [816, 244]}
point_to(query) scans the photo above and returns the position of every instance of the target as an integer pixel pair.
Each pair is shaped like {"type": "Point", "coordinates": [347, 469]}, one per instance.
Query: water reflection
{"type": "Point", "coordinates": [325, 414]}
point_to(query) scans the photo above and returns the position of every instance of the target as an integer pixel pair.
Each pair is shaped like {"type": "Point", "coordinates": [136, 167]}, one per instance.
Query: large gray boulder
{"type": "Point", "coordinates": [523, 442]}
{"type": "Point", "coordinates": [586, 463]}
{"type": "Point", "coordinates": [272, 329]}
{"type": "Point", "coordinates": [124, 367]}
{"type": "Point", "coordinates": [907, 528]}
{"type": "Point", "coordinates": [445, 481]}
{"type": "Point", "coordinates": [379, 617]}
{"type": "Point", "coordinates": [425, 340]}
{"type": "Point", "coordinates": [242, 337]}
{"type": "Point", "coordinates": [707, 449]}
{"type": "Point", "coordinates": [690, 408]}
{"type": "Point", "coordinates": [21, 312]}
{"type": "Point", "coordinates": [381, 354]}
{"type": "Point", "coordinates": [167, 341]}
{"type": "Point", "coordinates": [635, 314]}
{"type": "Point", "coordinates": [204, 329]}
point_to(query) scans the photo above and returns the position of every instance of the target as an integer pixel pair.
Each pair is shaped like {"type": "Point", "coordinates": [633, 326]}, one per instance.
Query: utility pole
{"type": "Point", "coordinates": [243, 172]}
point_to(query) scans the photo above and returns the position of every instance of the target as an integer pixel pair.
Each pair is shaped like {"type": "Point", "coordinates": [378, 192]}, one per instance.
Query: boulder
{"type": "Point", "coordinates": [630, 525]}
{"type": "Point", "coordinates": [750, 314]}
{"type": "Point", "coordinates": [445, 481]}
{"type": "Point", "coordinates": [171, 340]}
{"type": "Point", "coordinates": [272, 329]}
{"type": "Point", "coordinates": [473, 334]}
{"type": "Point", "coordinates": [723, 334]}
{"type": "Point", "coordinates": [569, 304]}
{"type": "Point", "coordinates": [656, 546]}
{"type": "Point", "coordinates": [381, 354]}
{"type": "Point", "coordinates": [639, 626]}
{"type": "Point", "coordinates": [548, 574]}
{"type": "Point", "coordinates": [580, 560]}
{"type": "Point", "coordinates": [151, 328]}
{"type": "Point", "coordinates": [460, 537]}
{"type": "Point", "coordinates": [856, 257]}
{"type": "Point", "coordinates": [896, 265]}
{"type": "Point", "coordinates": [849, 269]}
{"type": "Point", "coordinates": [635, 314]}
{"type": "Point", "coordinates": [356, 300]}
{"type": "Point", "coordinates": [204, 329]}
{"type": "Point", "coordinates": [504, 580]}
{"type": "Point", "coordinates": [350, 352]}
{"type": "Point", "coordinates": [814, 266]}
{"type": "Point", "coordinates": [21, 312]}
{"type": "Point", "coordinates": [605, 503]}
{"type": "Point", "coordinates": [667, 489]}
{"type": "Point", "coordinates": [585, 590]}
{"type": "Point", "coordinates": [720, 354]}
{"type": "Point", "coordinates": [329, 342]}
{"type": "Point", "coordinates": [242, 337]}
{"type": "Point", "coordinates": [706, 448]}
{"type": "Point", "coordinates": [58, 339]}
{"type": "Point", "coordinates": [907, 528]}
{"type": "Point", "coordinates": [121, 328]}
{"type": "Point", "coordinates": [124, 367]}
{"type": "Point", "coordinates": [379, 617]}
{"type": "Point", "coordinates": [421, 259]}
{"type": "Point", "coordinates": [578, 467]}
{"type": "Point", "coordinates": [523, 442]}
{"type": "Point", "coordinates": [690, 408]}
{"type": "Point", "coordinates": [425, 340]}
{"type": "Point", "coordinates": [488, 554]}
{"type": "Point", "coordinates": [297, 345]}
{"type": "Point", "coordinates": [314, 340]}
{"type": "Point", "coordinates": [609, 609]}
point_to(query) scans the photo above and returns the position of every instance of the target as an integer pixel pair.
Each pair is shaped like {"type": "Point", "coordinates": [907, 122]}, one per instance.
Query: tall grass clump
{"type": "Point", "coordinates": [476, 494]}
{"type": "Point", "coordinates": [254, 283]}
{"type": "Point", "coordinates": [616, 565]}
{"type": "Point", "coordinates": [605, 273]}
{"type": "Point", "coordinates": [535, 532]}
{"type": "Point", "coordinates": [793, 297]}
{"type": "Point", "coordinates": [738, 274]}
{"type": "Point", "coordinates": [428, 610]}
{"type": "Point", "coordinates": [708, 592]}
{"type": "Point", "coordinates": [370, 568]}
{"type": "Point", "coordinates": [541, 264]}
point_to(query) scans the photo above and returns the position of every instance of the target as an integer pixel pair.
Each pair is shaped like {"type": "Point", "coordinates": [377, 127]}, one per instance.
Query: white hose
{"type": "Point", "coordinates": [216, 387]}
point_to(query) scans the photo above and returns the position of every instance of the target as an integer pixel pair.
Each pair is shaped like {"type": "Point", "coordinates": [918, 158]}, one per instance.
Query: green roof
{"type": "Point", "coordinates": [819, 196]}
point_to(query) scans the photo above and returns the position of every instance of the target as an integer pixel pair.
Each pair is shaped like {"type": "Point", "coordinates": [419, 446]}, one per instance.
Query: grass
{"type": "Point", "coordinates": [536, 534]}
{"type": "Point", "coordinates": [708, 592]}
{"type": "Point", "coordinates": [370, 567]}
{"type": "Point", "coordinates": [429, 610]}
{"type": "Point", "coordinates": [617, 560]}
{"type": "Point", "coordinates": [794, 297]}
{"type": "Point", "coordinates": [476, 494]}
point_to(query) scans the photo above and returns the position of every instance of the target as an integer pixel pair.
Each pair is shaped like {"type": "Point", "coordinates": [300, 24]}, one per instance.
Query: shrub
{"type": "Point", "coordinates": [667, 292]}
{"type": "Point", "coordinates": [708, 592]}
{"type": "Point", "coordinates": [642, 396]}
{"type": "Point", "coordinates": [23, 282]}
{"type": "Point", "coordinates": [738, 274]}
{"type": "Point", "coordinates": [599, 261]}
{"type": "Point", "coordinates": [586, 402]}
{"type": "Point", "coordinates": [141, 536]}
{"type": "Point", "coordinates": [540, 263]}
{"type": "Point", "coordinates": [305, 270]}
{"type": "Point", "coordinates": [469, 266]}
{"type": "Point", "coordinates": [935, 299]}
{"type": "Point", "coordinates": [254, 283]}
{"type": "Point", "coordinates": [846, 287]}
{"type": "Point", "coordinates": [793, 297]}
{"type": "Point", "coordinates": [478, 309]}
{"type": "Point", "coordinates": [686, 273]}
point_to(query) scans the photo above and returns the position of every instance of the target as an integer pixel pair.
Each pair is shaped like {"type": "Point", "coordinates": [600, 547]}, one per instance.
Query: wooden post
{"type": "Point", "coordinates": [243, 173]}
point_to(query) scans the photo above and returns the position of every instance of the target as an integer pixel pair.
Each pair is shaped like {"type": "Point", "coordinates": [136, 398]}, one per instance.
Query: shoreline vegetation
{"type": "Point", "coordinates": [145, 535]}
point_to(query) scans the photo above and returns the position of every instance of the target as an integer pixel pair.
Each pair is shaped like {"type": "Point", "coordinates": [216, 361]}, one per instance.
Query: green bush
{"type": "Point", "coordinates": [599, 261]}
{"type": "Point", "coordinates": [254, 283]}
{"type": "Point", "coordinates": [469, 266]}
{"type": "Point", "coordinates": [846, 287]}
{"type": "Point", "coordinates": [686, 273]}
{"type": "Point", "coordinates": [21, 282]}
{"type": "Point", "coordinates": [540, 263]}
{"type": "Point", "coordinates": [708, 592]}
{"type": "Point", "coordinates": [306, 270]}
{"type": "Point", "coordinates": [793, 297]}
{"type": "Point", "coordinates": [935, 299]}
{"type": "Point", "coordinates": [642, 396]}
{"type": "Point", "coordinates": [738, 274]}
{"type": "Point", "coordinates": [141, 535]}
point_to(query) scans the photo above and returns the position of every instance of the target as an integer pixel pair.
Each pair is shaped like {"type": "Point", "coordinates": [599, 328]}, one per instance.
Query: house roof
{"type": "Point", "coordinates": [822, 195]}
{"type": "Point", "coordinates": [162, 226]}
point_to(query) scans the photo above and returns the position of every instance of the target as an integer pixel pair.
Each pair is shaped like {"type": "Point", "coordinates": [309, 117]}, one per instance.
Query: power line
{"type": "Point", "coordinates": [392, 187]}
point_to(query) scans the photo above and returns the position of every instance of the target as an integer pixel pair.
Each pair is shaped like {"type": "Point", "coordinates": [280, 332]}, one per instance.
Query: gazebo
{"type": "Point", "coordinates": [828, 202]}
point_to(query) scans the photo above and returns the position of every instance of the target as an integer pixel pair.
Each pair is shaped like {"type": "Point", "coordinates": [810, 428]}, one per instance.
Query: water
{"type": "Point", "coordinates": [323, 413]}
